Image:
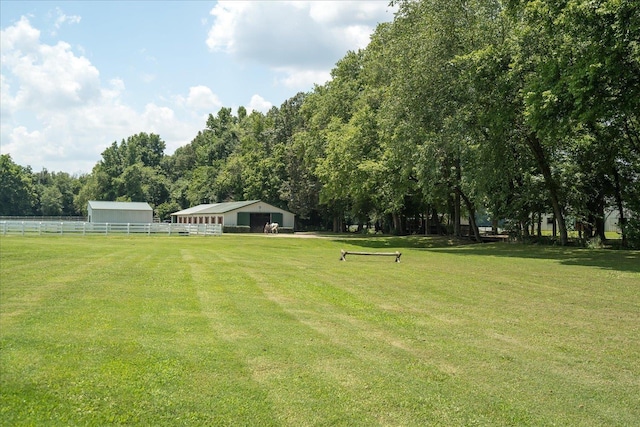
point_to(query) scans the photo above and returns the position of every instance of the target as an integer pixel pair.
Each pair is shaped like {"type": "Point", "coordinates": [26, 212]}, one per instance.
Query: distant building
{"type": "Point", "coordinates": [611, 221]}
{"type": "Point", "coordinates": [119, 212]}
{"type": "Point", "coordinates": [250, 215]}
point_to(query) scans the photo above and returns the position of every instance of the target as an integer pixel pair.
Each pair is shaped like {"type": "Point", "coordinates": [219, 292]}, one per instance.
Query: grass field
{"type": "Point", "coordinates": [262, 330]}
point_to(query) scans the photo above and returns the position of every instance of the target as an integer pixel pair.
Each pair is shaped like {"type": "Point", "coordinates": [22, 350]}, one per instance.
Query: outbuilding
{"type": "Point", "coordinates": [119, 212]}
{"type": "Point", "coordinates": [247, 216]}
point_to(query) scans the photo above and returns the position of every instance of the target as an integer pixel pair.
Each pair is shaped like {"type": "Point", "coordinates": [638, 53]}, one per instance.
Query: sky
{"type": "Point", "coordinates": [78, 75]}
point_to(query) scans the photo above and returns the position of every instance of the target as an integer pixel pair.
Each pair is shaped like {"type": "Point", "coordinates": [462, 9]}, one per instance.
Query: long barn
{"type": "Point", "coordinates": [119, 212]}
{"type": "Point", "coordinates": [245, 216]}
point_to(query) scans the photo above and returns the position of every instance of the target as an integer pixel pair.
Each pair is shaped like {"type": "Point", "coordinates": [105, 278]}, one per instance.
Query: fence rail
{"type": "Point", "coordinates": [44, 218]}
{"type": "Point", "coordinates": [75, 227]}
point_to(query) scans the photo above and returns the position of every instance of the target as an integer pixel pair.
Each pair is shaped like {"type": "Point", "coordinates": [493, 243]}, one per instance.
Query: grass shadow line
{"type": "Point", "coordinates": [608, 259]}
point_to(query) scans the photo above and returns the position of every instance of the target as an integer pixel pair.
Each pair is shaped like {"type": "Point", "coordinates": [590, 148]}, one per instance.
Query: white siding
{"type": "Point", "coordinates": [121, 216]}
{"type": "Point", "coordinates": [119, 212]}
{"type": "Point", "coordinates": [229, 212]}
{"type": "Point", "coordinates": [231, 218]}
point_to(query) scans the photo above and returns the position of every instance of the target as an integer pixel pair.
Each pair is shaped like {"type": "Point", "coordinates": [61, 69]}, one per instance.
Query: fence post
{"type": "Point", "coordinates": [84, 228]}
{"type": "Point", "coordinates": [106, 228]}
{"type": "Point", "coordinates": [61, 227]}
{"type": "Point", "coordinates": [23, 228]}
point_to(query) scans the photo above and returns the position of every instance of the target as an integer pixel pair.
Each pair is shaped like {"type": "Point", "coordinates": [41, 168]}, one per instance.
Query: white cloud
{"type": "Point", "coordinates": [7, 101]}
{"type": "Point", "coordinates": [61, 18]}
{"type": "Point", "coordinates": [295, 79]}
{"type": "Point", "coordinates": [202, 98]}
{"type": "Point", "coordinates": [43, 87]}
{"type": "Point", "coordinates": [356, 35]}
{"type": "Point", "coordinates": [271, 33]}
{"type": "Point", "coordinates": [301, 37]}
{"type": "Point", "coordinates": [20, 36]}
{"type": "Point", "coordinates": [260, 104]}
{"type": "Point", "coordinates": [47, 76]}
{"type": "Point", "coordinates": [345, 13]}
{"type": "Point", "coordinates": [60, 109]}
{"type": "Point", "coordinates": [222, 33]}
{"type": "Point", "coordinates": [28, 140]}
{"type": "Point", "coordinates": [58, 114]}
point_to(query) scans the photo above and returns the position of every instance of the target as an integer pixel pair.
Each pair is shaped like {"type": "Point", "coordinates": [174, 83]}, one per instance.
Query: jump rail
{"type": "Point", "coordinates": [343, 254]}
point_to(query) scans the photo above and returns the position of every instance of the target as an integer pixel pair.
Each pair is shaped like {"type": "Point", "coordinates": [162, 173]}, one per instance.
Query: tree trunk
{"type": "Point", "coordinates": [337, 224]}
{"type": "Point", "coordinates": [623, 220]}
{"type": "Point", "coordinates": [472, 215]}
{"type": "Point", "coordinates": [456, 202]}
{"type": "Point", "coordinates": [427, 221]}
{"type": "Point", "coordinates": [436, 222]}
{"type": "Point", "coordinates": [397, 223]}
{"type": "Point", "coordinates": [600, 225]}
{"type": "Point", "coordinates": [457, 230]}
{"type": "Point", "coordinates": [552, 187]}
{"type": "Point", "coordinates": [533, 223]}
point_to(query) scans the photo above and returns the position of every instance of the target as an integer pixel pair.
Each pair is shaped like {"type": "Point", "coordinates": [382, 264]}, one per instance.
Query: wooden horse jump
{"type": "Point", "coordinates": [343, 256]}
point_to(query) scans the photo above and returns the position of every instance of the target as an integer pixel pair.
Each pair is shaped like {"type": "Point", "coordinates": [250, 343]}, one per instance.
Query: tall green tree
{"type": "Point", "coordinates": [133, 170]}
{"type": "Point", "coordinates": [55, 193]}
{"type": "Point", "coordinates": [579, 67]}
{"type": "Point", "coordinates": [333, 108]}
{"type": "Point", "coordinates": [17, 192]}
{"type": "Point", "coordinates": [51, 201]}
{"type": "Point", "coordinates": [431, 96]}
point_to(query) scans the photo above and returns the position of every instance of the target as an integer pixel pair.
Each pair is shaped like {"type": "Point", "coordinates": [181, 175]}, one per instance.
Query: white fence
{"type": "Point", "coordinates": [75, 227]}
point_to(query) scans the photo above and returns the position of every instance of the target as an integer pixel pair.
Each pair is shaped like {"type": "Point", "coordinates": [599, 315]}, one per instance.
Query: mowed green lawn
{"type": "Point", "coordinates": [264, 330]}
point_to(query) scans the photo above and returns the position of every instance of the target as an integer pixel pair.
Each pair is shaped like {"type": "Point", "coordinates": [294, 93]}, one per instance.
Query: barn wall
{"type": "Point", "coordinates": [231, 218]}
{"type": "Point", "coordinates": [120, 216]}
{"type": "Point", "coordinates": [201, 218]}
{"type": "Point", "coordinates": [610, 226]}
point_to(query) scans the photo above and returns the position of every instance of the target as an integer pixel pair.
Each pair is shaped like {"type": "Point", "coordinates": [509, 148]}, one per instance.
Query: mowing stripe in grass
{"type": "Point", "coordinates": [275, 331]}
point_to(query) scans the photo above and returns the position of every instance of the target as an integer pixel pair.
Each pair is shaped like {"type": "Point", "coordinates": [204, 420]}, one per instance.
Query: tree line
{"type": "Point", "coordinates": [468, 109]}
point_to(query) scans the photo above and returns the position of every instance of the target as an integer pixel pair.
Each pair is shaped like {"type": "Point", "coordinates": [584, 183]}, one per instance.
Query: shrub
{"type": "Point", "coordinates": [632, 231]}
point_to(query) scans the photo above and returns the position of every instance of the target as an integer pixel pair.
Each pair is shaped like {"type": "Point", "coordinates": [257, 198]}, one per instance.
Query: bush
{"type": "Point", "coordinates": [236, 229]}
{"type": "Point", "coordinates": [632, 232]}
{"type": "Point", "coordinates": [594, 243]}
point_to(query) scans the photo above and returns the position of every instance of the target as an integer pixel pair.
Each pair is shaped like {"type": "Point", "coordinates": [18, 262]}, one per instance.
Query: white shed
{"type": "Point", "coordinates": [119, 212]}
{"type": "Point", "coordinates": [250, 215]}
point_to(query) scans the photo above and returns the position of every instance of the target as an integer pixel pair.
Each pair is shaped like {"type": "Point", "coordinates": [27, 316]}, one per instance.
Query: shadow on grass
{"type": "Point", "coordinates": [619, 260]}
{"type": "Point", "coordinates": [395, 242]}
{"type": "Point", "coordinates": [627, 261]}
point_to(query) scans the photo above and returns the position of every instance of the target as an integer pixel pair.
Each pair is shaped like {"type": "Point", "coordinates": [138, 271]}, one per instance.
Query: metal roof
{"type": "Point", "coordinates": [215, 208]}
{"type": "Point", "coordinates": [119, 206]}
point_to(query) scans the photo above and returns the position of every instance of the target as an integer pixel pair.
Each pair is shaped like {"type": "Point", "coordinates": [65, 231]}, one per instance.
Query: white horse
{"type": "Point", "coordinates": [271, 228]}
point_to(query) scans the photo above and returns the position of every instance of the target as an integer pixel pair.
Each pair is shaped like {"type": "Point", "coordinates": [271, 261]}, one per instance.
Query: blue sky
{"type": "Point", "coordinates": [76, 76]}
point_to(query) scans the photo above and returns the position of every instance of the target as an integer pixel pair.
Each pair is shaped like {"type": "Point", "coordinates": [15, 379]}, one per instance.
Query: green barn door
{"type": "Point", "coordinates": [244, 218]}
{"type": "Point", "coordinates": [277, 217]}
